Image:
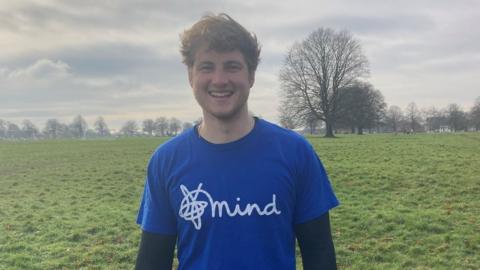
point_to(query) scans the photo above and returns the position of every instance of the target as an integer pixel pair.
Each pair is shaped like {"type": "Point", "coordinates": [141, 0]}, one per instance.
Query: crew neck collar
{"type": "Point", "coordinates": [198, 138]}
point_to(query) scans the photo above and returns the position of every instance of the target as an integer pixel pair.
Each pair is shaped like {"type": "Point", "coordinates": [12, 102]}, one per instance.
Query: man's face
{"type": "Point", "coordinates": [221, 83]}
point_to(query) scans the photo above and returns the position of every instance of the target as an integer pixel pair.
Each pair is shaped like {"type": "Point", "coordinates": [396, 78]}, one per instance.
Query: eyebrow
{"type": "Point", "coordinates": [226, 63]}
{"type": "Point", "coordinates": [203, 63]}
{"type": "Point", "coordinates": [233, 62]}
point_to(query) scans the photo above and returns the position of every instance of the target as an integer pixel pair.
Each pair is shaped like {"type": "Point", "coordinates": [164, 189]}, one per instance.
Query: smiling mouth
{"type": "Point", "coordinates": [220, 94]}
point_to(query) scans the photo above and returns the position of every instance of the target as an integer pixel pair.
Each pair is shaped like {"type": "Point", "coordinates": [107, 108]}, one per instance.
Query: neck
{"type": "Point", "coordinates": [220, 131]}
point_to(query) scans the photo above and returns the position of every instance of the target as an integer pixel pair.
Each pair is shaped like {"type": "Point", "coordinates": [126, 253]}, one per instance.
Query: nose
{"type": "Point", "coordinates": [219, 78]}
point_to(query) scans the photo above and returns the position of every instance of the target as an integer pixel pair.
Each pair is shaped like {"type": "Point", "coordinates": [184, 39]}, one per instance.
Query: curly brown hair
{"type": "Point", "coordinates": [220, 33]}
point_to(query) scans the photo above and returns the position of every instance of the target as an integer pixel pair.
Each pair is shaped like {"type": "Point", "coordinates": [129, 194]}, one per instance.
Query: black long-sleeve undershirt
{"type": "Point", "coordinates": [316, 244]}
{"type": "Point", "coordinates": [156, 251]}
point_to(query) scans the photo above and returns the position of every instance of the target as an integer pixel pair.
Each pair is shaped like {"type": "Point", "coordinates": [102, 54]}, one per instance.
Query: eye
{"type": "Point", "coordinates": [205, 67]}
{"type": "Point", "coordinates": [233, 66]}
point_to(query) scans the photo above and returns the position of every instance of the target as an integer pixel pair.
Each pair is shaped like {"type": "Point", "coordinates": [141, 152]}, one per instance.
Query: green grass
{"type": "Point", "coordinates": [71, 204]}
{"type": "Point", "coordinates": [408, 202]}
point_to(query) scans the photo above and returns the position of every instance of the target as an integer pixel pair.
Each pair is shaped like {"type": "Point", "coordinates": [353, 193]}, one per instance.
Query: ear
{"type": "Point", "coordinates": [190, 76]}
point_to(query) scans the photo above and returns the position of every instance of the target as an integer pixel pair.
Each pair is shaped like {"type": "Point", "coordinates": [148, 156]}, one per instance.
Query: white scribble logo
{"type": "Point", "coordinates": [192, 209]}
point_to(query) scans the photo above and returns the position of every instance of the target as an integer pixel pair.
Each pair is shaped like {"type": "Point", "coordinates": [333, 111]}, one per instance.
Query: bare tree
{"type": "Point", "coordinates": [13, 131]}
{"type": "Point", "coordinates": [52, 129]}
{"type": "Point", "coordinates": [29, 130]}
{"type": "Point", "coordinates": [130, 128]}
{"type": "Point", "coordinates": [161, 126]}
{"type": "Point", "coordinates": [413, 117]}
{"type": "Point", "coordinates": [101, 127]}
{"type": "Point", "coordinates": [475, 115]}
{"type": "Point", "coordinates": [78, 127]}
{"type": "Point", "coordinates": [393, 118]}
{"type": "Point", "coordinates": [65, 131]}
{"type": "Point", "coordinates": [174, 126]}
{"type": "Point", "coordinates": [148, 126]}
{"type": "Point", "coordinates": [315, 69]}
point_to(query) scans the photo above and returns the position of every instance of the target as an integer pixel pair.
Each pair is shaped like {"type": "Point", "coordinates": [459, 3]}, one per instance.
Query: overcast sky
{"type": "Point", "coordinates": [120, 59]}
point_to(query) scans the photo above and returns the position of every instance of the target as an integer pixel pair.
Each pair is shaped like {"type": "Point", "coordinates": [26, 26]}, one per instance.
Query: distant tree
{"type": "Point", "coordinates": [186, 126]}
{"type": "Point", "coordinates": [360, 106]}
{"type": "Point", "coordinates": [13, 131]}
{"type": "Point", "coordinates": [378, 109]}
{"type": "Point", "coordinates": [456, 117]}
{"type": "Point", "coordinates": [65, 131]}
{"type": "Point", "coordinates": [148, 126]}
{"type": "Point", "coordinates": [413, 117]}
{"type": "Point", "coordinates": [130, 128]}
{"type": "Point", "coordinates": [92, 134]}
{"type": "Point", "coordinates": [348, 106]}
{"type": "Point", "coordinates": [52, 129]}
{"type": "Point", "coordinates": [393, 117]}
{"type": "Point", "coordinates": [314, 71]}
{"type": "Point", "coordinates": [3, 128]}
{"type": "Point", "coordinates": [475, 115]}
{"type": "Point", "coordinates": [101, 127]}
{"type": "Point", "coordinates": [174, 126]}
{"type": "Point", "coordinates": [78, 127]}
{"type": "Point", "coordinates": [29, 130]}
{"type": "Point", "coordinates": [161, 126]}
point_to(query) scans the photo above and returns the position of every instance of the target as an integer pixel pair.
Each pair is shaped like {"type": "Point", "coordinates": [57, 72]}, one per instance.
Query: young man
{"type": "Point", "coordinates": [234, 191]}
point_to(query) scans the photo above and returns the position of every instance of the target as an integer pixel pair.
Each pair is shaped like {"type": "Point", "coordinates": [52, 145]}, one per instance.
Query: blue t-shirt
{"type": "Point", "coordinates": [234, 205]}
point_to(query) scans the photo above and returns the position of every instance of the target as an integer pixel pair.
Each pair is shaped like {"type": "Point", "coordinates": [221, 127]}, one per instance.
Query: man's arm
{"type": "Point", "coordinates": [156, 251]}
{"type": "Point", "coordinates": [316, 244]}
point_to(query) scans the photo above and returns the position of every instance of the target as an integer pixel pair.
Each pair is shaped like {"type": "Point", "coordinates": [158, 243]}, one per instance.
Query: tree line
{"type": "Point", "coordinates": [360, 116]}
{"type": "Point", "coordinates": [449, 119]}
{"type": "Point", "coordinates": [78, 128]}
{"type": "Point", "coordinates": [322, 83]}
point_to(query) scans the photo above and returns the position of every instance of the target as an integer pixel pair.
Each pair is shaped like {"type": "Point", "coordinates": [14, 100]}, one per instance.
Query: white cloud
{"type": "Point", "coordinates": [44, 69]}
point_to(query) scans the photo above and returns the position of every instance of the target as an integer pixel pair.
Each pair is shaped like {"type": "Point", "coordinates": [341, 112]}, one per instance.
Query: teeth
{"type": "Point", "coordinates": [220, 94]}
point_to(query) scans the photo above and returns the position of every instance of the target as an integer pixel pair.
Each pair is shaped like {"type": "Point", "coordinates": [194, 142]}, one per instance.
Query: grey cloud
{"type": "Point", "coordinates": [126, 15]}
{"type": "Point", "coordinates": [40, 83]}
{"type": "Point", "coordinates": [115, 57]}
{"type": "Point", "coordinates": [381, 24]}
{"type": "Point", "coordinates": [367, 24]}
{"type": "Point", "coordinates": [111, 60]}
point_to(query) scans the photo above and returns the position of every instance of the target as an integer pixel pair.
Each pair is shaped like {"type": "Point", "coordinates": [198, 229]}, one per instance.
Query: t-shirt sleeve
{"type": "Point", "coordinates": [314, 192]}
{"type": "Point", "coordinates": [155, 213]}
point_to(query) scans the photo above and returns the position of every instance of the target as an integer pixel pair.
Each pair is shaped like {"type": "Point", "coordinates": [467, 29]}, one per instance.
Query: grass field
{"type": "Point", "coordinates": [408, 202]}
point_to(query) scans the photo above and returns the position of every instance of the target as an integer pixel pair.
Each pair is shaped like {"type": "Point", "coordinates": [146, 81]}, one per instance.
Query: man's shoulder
{"type": "Point", "coordinates": [274, 131]}
{"type": "Point", "coordinates": [289, 142]}
{"type": "Point", "coordinates": [174, 144]}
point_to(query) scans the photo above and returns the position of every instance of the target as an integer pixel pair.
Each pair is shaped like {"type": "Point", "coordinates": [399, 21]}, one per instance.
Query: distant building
{"type": "Point", "coordinates": [444, 128]}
